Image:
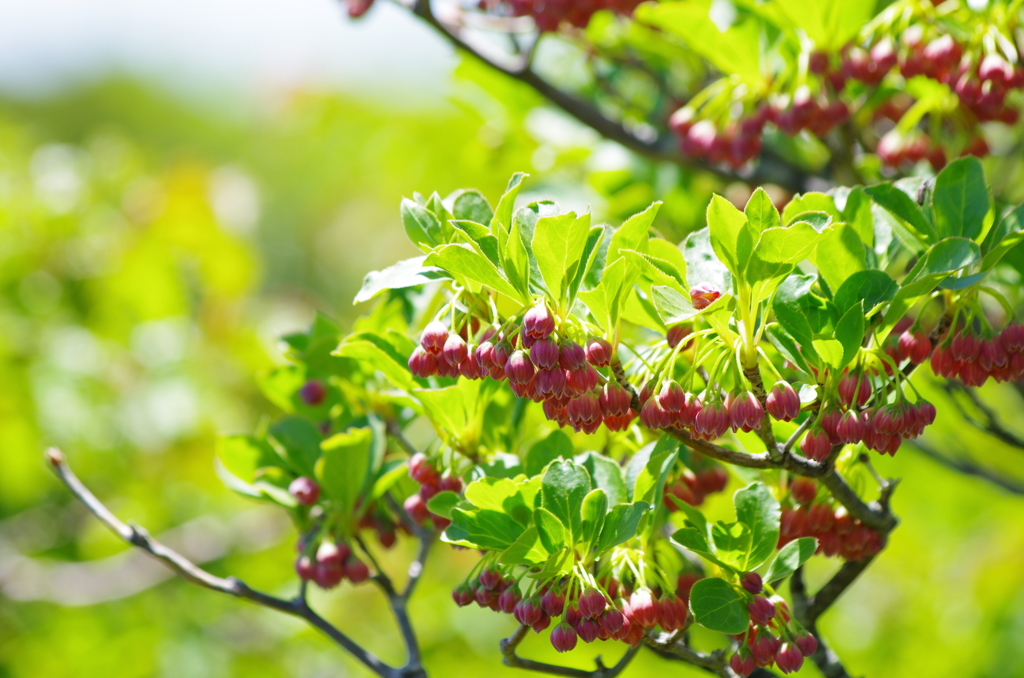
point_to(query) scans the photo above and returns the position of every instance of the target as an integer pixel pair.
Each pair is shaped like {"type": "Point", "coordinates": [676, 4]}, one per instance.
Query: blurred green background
{"type": "Point", "coordinates": [154, 242]}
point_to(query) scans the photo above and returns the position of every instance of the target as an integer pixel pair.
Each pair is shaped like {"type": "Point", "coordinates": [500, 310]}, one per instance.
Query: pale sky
{"type": "Point", "coordinates": [206, 46]}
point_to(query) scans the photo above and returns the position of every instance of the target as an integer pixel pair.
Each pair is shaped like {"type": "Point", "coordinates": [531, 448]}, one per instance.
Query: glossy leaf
{"type": "Point", "coordinates": [595, 505]}
{"type": "Point", "coordinates": [344, 468]}
{"type": "Point", "coordinates": [758, 510]}
{"type": "Point", "coordinates": [789, 558]}
{"type": "Point", "coordinates": [620, 525]}
{"type": "Point", "coordinates": [960, 199]}
{"type": "Point", "coordinates": [564, 485]}
{"type": "Point", "coordinates": [718, 606]}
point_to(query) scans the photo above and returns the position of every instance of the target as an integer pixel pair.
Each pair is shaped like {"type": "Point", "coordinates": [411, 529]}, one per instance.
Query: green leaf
{"type": "Point", "coordinates": [941, 259]}
{"type": "Point", "coordinates": [758, 510]}
{"type": "Point", "coordinates": [502, 219]}
{"type": "Point", "coordinates": [633, 233]}
{"type": "Point", "coordinates": [850, 333]}
{"type": "Point", "coordinates": [830, 350]}
{"type": "Point", "coordinates": [344, 467]}
{"type": "Point", "coordinates": [243, 455]}
{"type": "Point", "coordinates": [558, 244]}
{"type": "Point", "coordinates": [760, 212]}
{"type": "Point", "coordinates": [564, 485]}
{"type": "Point", "coordinates": [422, 227]}
{"type": "Point", "coordinates": [406, 273]}
{"type": "Point", "coordinates": [442, 503]}
{"type": "Point", "coordinates": [373, 351]}
{"type": "Point", "coordinates": [502, 495]}
{"type": "Point", "coordinates": [840, 255]}
{"type": "Point", "coordinates": [471, 205]}
{"type": "Point", "coordinates": [656, 270]}
{"type": "Point", "coordinates": [527, 550]}
{"type": "Point", "coordinates": [789, 558]}
{"type": "Point", "coordinates": [960, 199]}
{"type": "Point", "coordinates": [606, 475]}
{"type": "Point", "coordinates": [731, 237]}
{"type": "Point", "coordinates": [595, 505]}
{"type": "Point", "coordinates": [718, 606]}
{"type": "Point", "coordinates": [491, 530]}
{"type": "Point", "coordinates": [620, 525]}
{"type": "Point", "coordinates": [787, 346]}
{"type": "Point", "coordinates": [557, 445]}
{"type": "Point", "coordinates": [734, 51]}
{"type": "Point", "coordinates": [465, 262]}
{"type": "Point", "coordinates": [702, 265]}
{"type": "Point", "coordinates": [1000, 240]}
{"type": "Point", "coordinates": [906, 211]}
{"type": "Point", "coordinates": [552, 533]}
{"type": "Point", "coordinates": [810, 202]}
{"type": "Point", "coordinates": [672, 306]}
{"type": "Point", "coordinates": [873, 287]}
{"type": "Point", "coordinates": [480, 236]}
{"type": "Point", "coordinates": [517, 262]}
{"type": "Point", "coordinates": [591, 251]}
{"type": "Point", "coordinates": [450, 409]}
{"type": "Point", "coordinates": [298, 441]}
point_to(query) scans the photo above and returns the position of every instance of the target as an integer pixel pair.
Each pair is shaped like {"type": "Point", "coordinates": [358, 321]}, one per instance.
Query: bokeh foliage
{"type": "Point", "coordinates": [149, 253]}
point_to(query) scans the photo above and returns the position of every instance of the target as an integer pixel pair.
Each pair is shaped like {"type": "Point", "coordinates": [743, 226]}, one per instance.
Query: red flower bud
{"type": "Point", "coordinates": [422, 364]}
{"type": "Point", "coordinates": [563, 637]}
{"type": "Point", "coordinates": [761, 610]}
{"type": "Point", "coordinates": [357, 571]}
{"type": "Point", "coordinates": [519, 369]}
{"type": "Point", "coordinates": [914, 346]}
{"type": "Point", "coordinates": [598, 352]}
{"type": "Point", "coordinates": [745, 412]}
{"type": "Point", "coordinates": [544, 353]}
{"type": "Point", "coordinates": [803, 491]}
{"type": "Point", "coordinates": [508, 599]}
{"type": "Point", "coordinates": [703, 295]}
{"type": "Point", "coordinates": [789, 658]}
{"type": "Point", "coordinates": [592, 603]}
{"type": "Point", "coordinates": [783, 403]}
{"type": "Point", "coordinates": [305, 567]}
{"type": "Point", "coordinates": [742, 665]}
{"type": "Point", "coordinates": [588, 630]}
{"type": "Point", "coordinates": [676, 334]}
{"type": "Point", "coordinates": [815, 445]}
{"type": "Point", "coordinates": [538, 322]}
{"type": "Point", "coordinates": [642, 608]}
{"type": "Point", "coordinates": [807, 644]}
{"type": "Point", "coordinates": [752, 582]}
{"type": "Point", "coordinates": [528, 611]}
{"type": "Point", "coordinates": [553, 602]}
{"type": "Point", "coordinates": [313, 392]}
{"type": "Point", "coordinates": [850, 428]}
{"type": "Point", "coordinates": [462, 595]}
{"type": "Point", "coordinates": [434, 337]}
{"type": "Point", "coordinates": [421, 470]}
{"type": "Point", "coordinates": [305, 490]}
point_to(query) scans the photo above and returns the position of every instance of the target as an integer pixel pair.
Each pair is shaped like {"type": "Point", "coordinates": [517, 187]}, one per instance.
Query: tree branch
{"type": "Point", "coordinates": [510, 658]}
{"type": "Point", "coordinates": [662, 148]}
{"type": "Point", "coordinates": [993, 424]}
{"type": "Point", "coordinates": [968, 467]}
{"type": "Point", "coordinates": [138, 537]}
{"type": "Point", "coordinates": [674, 646]}
{"type": "Point", "coordinates": [807, 609]}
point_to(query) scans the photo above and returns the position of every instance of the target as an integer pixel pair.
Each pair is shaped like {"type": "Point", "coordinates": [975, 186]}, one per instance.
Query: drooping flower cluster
{"type": "Point", "coordinates": [431, 482]}
{"type": "Point", "coordinates": [692, 486]}
{"type": "Point", "coordinates": [327, 563]}
{"type": "Point", "coordinates": [974, 359]}
{"type": "Point", "coordinates": [538, 365]}
{"type": "Point", "coordinates": [612, 610]}
{"type": "Point", "coordinates": [810, 513]}
{"type": "Point", "coordinates": [773, 637]}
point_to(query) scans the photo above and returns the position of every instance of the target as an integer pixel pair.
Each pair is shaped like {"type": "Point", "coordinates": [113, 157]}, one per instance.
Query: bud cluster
{"type": "Point", "coordinates": [837, 532]}
{"type": "Point", "coordinates": [580, 611]}
{"type": "Point", "coordinates": [561, 374]}
{"type": "Point", "coordinates": [329, 562]}
{"type": "Point", "coordinates": [773, 636]}
{"type": "Point", "coordinates": [431, 482]}
{"type": "Point", "coordinates": [973, 359]}
{"type": "Point", "coordinates": [693, 486]}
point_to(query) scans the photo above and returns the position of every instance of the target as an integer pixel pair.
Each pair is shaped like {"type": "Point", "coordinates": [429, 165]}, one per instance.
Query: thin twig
{"type": "Point", "coordinates": [967, 467]}
{"type": "Point", "coordinates": [138, 537]}
{"type": "Point", "coordinates": [510, 658]}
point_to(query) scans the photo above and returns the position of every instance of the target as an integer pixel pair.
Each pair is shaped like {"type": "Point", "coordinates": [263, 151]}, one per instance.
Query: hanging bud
{"type": "Point", "coordinates": [761, 610]}
{"type": "Point", "coordinates": [571, 356]}
{"type": "Point", "coordinates": [703, 295]}
{"type": "Point", "coordinates": [789, 658]}
{"type": "Point", "coordinates": [422, 364]}
{"type": "Point", "coordinates": [783, 403]}
{"type": "Point", "coordinates": [544, 353]}
{"type": "Point", "coordinates": [313, 392]}
{"type": "Point", "coordinates": [850, 428]}
{"type": "Point", "coordinates": [745, 412]}
{"type": "Point", "coordinates": [803, 490]}
{"type": "Point", "coordinates": [598, 352]}
{"type": "Point", "coordinates": [519, 369]}
{"type": "Point", "coordinates": [677, 333]}
{"type": "Point", "coordinates": [751, 581]}
{"type": "Point", "coordinates": [434, 337]}
{"type": "Point", "coordinates": [563, 637]}
{"type": "Point", "coordinates": [538, 322]}
{"type": "Point", "coordinates": [305, 490]}
{"type": "Point", "coordinates": [553, 602]}
{"type": "Point", "coordinates": [592, 603]}
{"type": "Point", "coordinates": [807, 644]}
